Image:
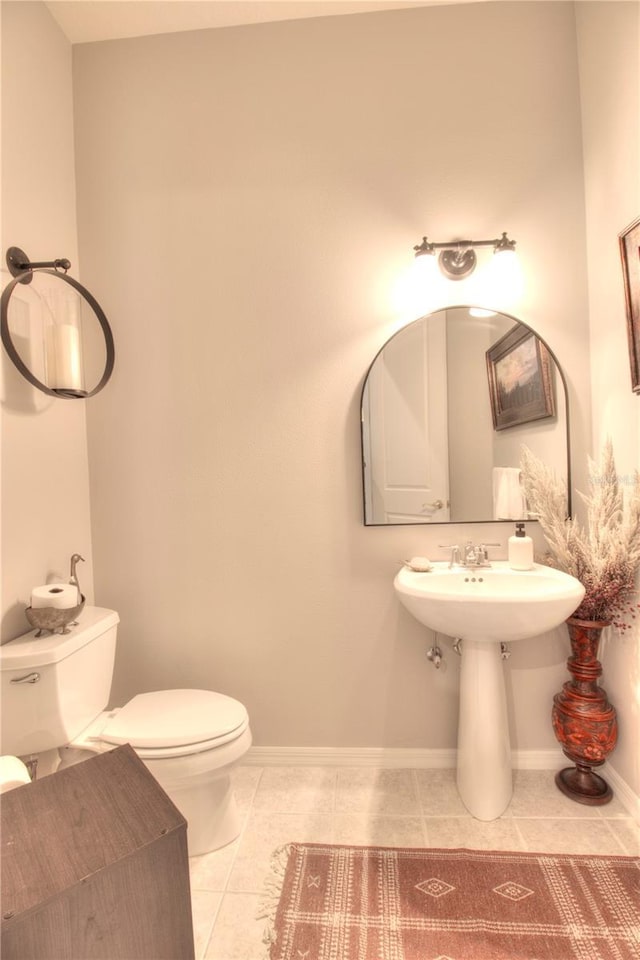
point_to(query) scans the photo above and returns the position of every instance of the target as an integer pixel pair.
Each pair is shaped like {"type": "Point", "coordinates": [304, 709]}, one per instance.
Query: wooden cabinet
{"type": "Point", "coordinates": [95, 866]}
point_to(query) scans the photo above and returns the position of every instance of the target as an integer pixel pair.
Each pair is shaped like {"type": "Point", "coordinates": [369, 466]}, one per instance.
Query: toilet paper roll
{"type": "Point", "coordinates": [60, 596]}
{"type": "Point", "coordinates": [13, 773]}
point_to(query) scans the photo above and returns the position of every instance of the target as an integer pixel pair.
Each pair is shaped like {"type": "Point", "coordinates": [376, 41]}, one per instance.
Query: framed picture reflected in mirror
{"type": "Point", "coordinates": [520, 379]}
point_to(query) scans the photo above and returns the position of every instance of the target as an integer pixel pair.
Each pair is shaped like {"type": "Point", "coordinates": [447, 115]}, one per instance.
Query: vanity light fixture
{"type": "Point", "coordinates": [51, 338]}
{"type": "Point", "coordinates": [457, 258]}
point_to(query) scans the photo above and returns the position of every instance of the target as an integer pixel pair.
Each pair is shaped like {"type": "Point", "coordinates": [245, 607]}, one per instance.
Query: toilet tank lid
{"type": "Point", "coordinates": [31, 651]}
{"type": "Point", "coordinates": [172, 718]}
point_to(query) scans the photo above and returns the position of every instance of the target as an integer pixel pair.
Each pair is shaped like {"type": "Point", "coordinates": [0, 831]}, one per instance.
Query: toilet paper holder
{"type": "Point", "coordinates": [53, 620]}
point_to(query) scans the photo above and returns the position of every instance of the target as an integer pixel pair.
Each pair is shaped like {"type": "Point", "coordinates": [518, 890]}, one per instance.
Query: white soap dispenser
{"type": "Point", "coordinates": [520, 550]}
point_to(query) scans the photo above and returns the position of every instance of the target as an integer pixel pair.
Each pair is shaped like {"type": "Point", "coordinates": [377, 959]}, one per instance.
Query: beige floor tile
{"type": "Point", "coordinates": [615, 808]}
{"type": "Point", "coordinates": [211, 870]}
{"type": "Point", "coordinates": [439, 795]}
{"type": "Point", "coordinates": [296, 790]}
{"type": "Point", "coordinates": [204, 906]}
{"type": "Point", "coordinates": [374, 793]}
{"type": "Point", "coordinates": [628, 833]}
{"type": "Point", "coordinates": [245, 782]}
{"type": "Point", "coordinates": [475, 834]}
{"type": "Point", "coordinates": [263, 834]}
{"type": "Point", "coordinates": [536, 795]}
{"type": "Point", "coordinates": [590, 835]}
{"type": "Point", "coordinates": [380, 831]}
{"type": "Point", "coordinates": [238, 933]}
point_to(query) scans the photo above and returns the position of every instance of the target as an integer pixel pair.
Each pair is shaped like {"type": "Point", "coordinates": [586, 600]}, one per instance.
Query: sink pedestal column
{"type": "Point", "coordinates": [484, 752]}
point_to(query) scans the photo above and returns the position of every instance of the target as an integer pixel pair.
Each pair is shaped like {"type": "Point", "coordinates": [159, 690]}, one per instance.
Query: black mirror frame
{"type": "Point", "coordinates": [459, 306]}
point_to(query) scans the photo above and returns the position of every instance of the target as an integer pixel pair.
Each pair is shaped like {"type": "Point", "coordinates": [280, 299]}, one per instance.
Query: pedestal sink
{"type": "Point", "coordinates": [486, 607]}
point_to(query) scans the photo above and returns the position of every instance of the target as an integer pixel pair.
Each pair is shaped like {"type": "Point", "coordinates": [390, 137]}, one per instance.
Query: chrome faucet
{"type": "Point", "coordinates": [475, 556]}
{"type": "Point", "coordinates": [472, 557]}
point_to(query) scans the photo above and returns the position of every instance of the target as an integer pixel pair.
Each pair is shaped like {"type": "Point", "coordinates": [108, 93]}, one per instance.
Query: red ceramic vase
{"type": "Point", "coordinates": [584, 721]}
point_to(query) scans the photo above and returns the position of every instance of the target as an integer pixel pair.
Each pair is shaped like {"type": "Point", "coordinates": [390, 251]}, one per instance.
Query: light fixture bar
{"type": "Point", "coordinates": [457, 258]}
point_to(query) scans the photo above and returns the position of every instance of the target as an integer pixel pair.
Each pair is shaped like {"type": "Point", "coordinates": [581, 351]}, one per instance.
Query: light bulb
{"type": "Point", "coordinates": [425, 267]}
{"type": "Point", "coordinates": [504, 277]}
{"type": "Point", "coordinates": [416, 290]}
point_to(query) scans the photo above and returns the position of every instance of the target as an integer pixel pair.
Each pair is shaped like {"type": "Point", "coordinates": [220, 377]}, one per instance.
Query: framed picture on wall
{"type": "Point", "coordinates": [629, 241]}
{"type": "Point", "coordinates": [520, 379]}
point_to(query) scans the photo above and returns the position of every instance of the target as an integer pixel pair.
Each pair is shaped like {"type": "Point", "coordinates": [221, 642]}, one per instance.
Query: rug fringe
{"type": "Point", "coordinates": [272, 891]}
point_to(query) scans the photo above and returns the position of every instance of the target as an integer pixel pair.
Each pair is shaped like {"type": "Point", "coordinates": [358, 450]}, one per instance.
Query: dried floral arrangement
{"type": "Point", "coordinates": [604, 553]}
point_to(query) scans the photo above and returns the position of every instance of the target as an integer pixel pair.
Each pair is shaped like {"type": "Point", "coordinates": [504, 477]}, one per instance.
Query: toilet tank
{"type": "Point", "coordinates": [71, 681]}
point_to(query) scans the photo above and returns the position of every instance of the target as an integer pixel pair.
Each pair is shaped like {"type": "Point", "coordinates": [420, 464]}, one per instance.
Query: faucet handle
{"type": "Point", "coordinates": [455, 552]}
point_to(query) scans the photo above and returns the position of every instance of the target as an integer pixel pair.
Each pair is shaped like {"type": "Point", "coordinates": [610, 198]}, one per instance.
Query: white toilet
{"type": "Point", "coordinates": [54, 691]}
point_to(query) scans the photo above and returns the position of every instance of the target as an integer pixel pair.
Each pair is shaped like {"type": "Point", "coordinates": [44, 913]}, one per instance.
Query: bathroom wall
{"type": "Point", "coordinates": [45, 480]}
{"type": "Point", "coordinates": [609, 45]}
{"type": "Point", "coordinates": [250, 197]}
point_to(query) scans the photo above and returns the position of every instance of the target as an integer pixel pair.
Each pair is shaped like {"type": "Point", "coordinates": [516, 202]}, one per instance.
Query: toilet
{"type": "Point", "coordinates": [54, 691]}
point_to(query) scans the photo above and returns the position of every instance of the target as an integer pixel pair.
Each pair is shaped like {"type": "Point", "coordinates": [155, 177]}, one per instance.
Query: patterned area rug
{"type": "Point", "coordinates": [376, 903]}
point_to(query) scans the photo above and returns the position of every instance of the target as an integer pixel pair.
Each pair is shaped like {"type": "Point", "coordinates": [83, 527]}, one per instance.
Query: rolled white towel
{"type": "Point", "coordinates": [509, 502]}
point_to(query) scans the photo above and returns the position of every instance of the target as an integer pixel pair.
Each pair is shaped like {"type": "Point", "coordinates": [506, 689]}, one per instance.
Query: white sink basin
{"type": "Point", "coordinates": [493, 603]}
{"type": "Point", "coordinates": [487, 607]}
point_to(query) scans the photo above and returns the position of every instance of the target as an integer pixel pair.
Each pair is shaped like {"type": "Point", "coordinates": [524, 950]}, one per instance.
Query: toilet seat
{"type": "Point", "coordinates": [189, 749]}
{"type": "Point", "coordinates": [170, 723]}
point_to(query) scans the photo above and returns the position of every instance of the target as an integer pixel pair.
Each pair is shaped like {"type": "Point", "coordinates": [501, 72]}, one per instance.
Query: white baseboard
{"type": "Point", "coordinates": [623, 792]}
{"type": "Point", "coordinates": [407, 757]}
{"type": "Point", "coordinates": [351, 757]}
{"type": "Point", "coordinates": [552, 759]}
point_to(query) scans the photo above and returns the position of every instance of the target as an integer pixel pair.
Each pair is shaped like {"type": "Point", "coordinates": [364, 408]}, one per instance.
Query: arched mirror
{"type": "Point", "coordinates": [446, 406]}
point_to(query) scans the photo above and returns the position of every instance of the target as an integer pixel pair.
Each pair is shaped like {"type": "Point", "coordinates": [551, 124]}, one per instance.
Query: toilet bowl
{"type": "Point", "coordinates": [54, 693]}
{"type": "Point", "coordinates": [189, 740]}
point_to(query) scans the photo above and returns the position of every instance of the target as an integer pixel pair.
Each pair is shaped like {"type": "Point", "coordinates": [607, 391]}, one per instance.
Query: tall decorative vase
{"type": "Point", "coordinates": [584, 721]}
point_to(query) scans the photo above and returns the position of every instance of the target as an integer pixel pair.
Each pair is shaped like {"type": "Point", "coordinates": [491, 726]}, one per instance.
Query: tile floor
{"type": "Point", "coordinates": [363, 805]}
